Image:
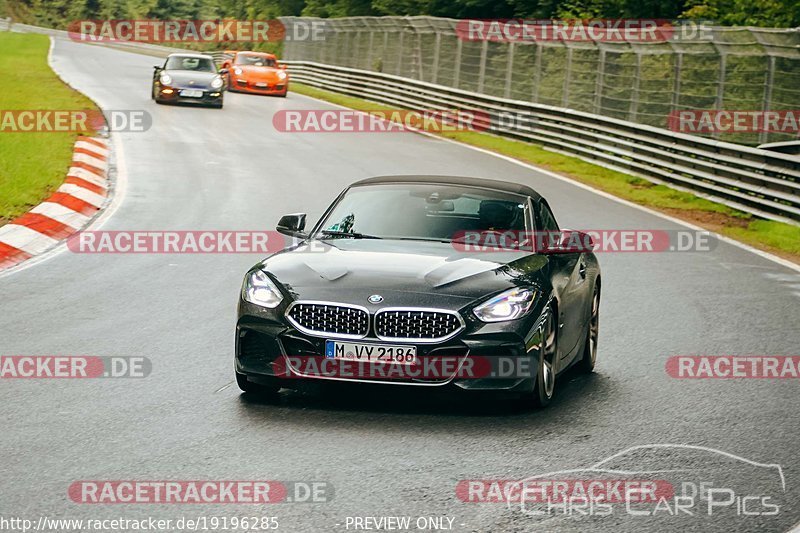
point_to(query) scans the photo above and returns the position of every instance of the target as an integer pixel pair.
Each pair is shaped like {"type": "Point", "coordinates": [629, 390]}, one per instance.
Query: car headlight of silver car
{"type": "Point", "coordinates": [260, 290]}
{"type": "Point", "coordinates": [216, 83]}
{"type": "Point", "coordinates": [165, 79]}
{"type": "Point", "coordinates": [508, 305]}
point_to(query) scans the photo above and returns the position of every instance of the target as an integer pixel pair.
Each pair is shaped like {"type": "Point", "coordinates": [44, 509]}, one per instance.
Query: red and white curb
{"type": "Point", "coordinates": [68, 210]}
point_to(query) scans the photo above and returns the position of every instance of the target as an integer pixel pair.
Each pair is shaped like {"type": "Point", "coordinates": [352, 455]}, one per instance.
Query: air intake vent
{"type": "Point", "coordinates": [328, 319]}
{"type": "Point", "coordinates": [419, 324]}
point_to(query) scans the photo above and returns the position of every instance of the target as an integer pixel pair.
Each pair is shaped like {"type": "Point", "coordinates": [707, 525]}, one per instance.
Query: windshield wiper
{"type": "Point", "coordinates": [352, 235]}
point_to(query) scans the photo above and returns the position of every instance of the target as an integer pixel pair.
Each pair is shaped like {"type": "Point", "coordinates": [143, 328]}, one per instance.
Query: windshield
{"type": "Point", "coordinates": [198, 64]}
{"type": "Point", "coordinates": [254, 60]}
{"type": "Point", "coordinates": [423, 212]}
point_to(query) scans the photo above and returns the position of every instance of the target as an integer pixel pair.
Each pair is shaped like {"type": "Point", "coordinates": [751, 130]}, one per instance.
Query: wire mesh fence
{"type": "Point", "coordinates": [716, 68]}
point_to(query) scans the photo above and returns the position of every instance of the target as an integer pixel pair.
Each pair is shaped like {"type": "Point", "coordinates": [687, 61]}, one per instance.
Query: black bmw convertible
{"type": "Point", "coordinates": [394, 285]}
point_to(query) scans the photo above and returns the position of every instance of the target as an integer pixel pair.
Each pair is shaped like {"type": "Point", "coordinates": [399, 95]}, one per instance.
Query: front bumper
{"type": "Point", "coordinates": [210, 97]}
{"type": "Point", "coordinates": [500, 356]}
{"type": "Point", "coordinates": [243, 85]}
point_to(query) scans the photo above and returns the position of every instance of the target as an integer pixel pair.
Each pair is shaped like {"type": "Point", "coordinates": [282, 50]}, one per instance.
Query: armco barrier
{"type": "Point", "coordinates": [687, 65]}
{"type": "Point", "coordinates": [760, 182]}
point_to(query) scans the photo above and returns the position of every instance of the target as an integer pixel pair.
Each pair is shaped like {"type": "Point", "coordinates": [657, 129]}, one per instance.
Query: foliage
{"type": "Point", "coordinates": [57, 13]}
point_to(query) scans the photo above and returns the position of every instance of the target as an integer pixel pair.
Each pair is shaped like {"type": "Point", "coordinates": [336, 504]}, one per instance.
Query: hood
{"type": "Point", "coordinates": [418, 273]}
{"type": "Point", "coordinates": [254, 73]}
{"type": "Point", "coordinates": [186, 79]}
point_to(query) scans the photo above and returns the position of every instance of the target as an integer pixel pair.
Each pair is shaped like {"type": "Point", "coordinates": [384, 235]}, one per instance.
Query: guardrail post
{"type": "Point", "coordinates": [567, 78]}
{"type": "Point", "coordinates": [320, 49]}
{"type": "Point", "coordinates": [763, 136]}
{"type": "Point", "coordinates": [482, 66]}
{"type": "Point", "coordinates": [600, 80]}
{"type": "Point", "coordinates": [721, 82]}
{"type": "Point", "coordinates": [369, 50]}
{"type": "Point", "coordinates": [634, 105]}
{"type": "Point", "coordinates": [385, 48]}
{"type": "Point", "coordinates": [345, 59]}
{"type": "Point", "coordinates": [399, 71]}
{"type": "Point", "coordinates": [537, 73]}
{"type": "Point", "coordinates": [509, 69]}
{"type": "Point", "coordinates": [720, 101]}
{"type": "Point", "coordinates": [418, 55]}
{"type": "Point", "coordinates": [359, 45]}
{"type": "Point", "coordinates": [435, 68]}
{"type": "Point", "coordinates": [290, 49]}
{"type": "Point", "coordinates": [676, 83]}
{"type": "Point", "coordinates": [457, 65]}
{"type": "Point", "coordinates": [324, 50]}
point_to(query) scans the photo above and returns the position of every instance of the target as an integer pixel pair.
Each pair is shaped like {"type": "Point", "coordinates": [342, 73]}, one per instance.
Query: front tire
{"type": "Point", "coordinates": [586, 364]}
{"type": "Point", "coordinates": [546, 376]}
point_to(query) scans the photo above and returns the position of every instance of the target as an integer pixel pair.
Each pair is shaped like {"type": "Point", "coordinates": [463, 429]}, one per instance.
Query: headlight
{"type": "Point", "coordinates": [281, 75]}
{"type": "Point", "coordinates": [165, 79]}
{"type": "Point", "coordinates": [237, 71]}
{"type": "Point", "coordinates": [509, 305]}
{"type": "Point", "coordinates": [260, 290]}
{"type": "Point", "coordinates": [216, 82]}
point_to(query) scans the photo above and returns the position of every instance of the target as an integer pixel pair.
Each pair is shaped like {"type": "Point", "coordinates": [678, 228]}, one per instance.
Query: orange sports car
{"type": "Point", "coordinates": [256, 72]}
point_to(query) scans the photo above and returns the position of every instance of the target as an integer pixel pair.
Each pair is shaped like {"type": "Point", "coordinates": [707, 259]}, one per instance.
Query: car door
{"type": "Point", "coordinates": [568, 276]}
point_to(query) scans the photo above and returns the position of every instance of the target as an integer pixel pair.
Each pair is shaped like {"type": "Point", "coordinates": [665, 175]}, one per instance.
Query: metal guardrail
{"type": "Point", "coordinates": [760, 182]}
{"type": "Point", "coordinates": [691, 65]}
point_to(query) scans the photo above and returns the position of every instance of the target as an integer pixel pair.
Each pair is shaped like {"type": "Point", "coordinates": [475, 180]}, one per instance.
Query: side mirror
{"type": "Point", "coordinates": [156, 67]}
{"type": "Point", "coordinates": [282, 66]}
{"type": "Point", "coordinates": [566, 241]}
{"type": "Point", "coordinates": [292, 225]}
{"type": "Point", "coordinates": [223, 71]}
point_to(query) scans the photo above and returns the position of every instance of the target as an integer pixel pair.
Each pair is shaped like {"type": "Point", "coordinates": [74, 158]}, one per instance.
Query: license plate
{"type": "Point", "coordinates": [192, 93]}
{"type": "Point", "coordinates": [263, 85]}
{"type": "Point", "coordinates": [371, 353]}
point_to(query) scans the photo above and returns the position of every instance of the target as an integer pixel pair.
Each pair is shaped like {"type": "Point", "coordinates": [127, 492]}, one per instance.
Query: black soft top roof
{"type": "Point", "coordinates": [497, 185]}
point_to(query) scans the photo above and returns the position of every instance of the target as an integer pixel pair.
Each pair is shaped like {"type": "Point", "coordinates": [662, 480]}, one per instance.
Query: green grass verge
{"type": "Point", "coordinates": [776, 237]}
{"type": "Point", "coordinates": [32, 165]}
